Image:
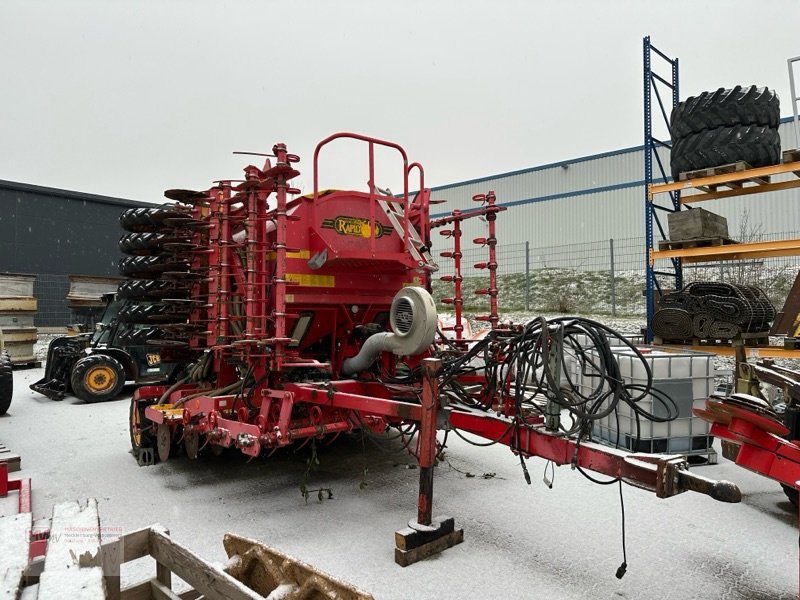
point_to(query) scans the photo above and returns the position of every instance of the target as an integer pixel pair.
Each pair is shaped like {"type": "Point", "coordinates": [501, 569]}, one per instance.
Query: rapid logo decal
{"type": "Point", "coordinates": [356, 227]}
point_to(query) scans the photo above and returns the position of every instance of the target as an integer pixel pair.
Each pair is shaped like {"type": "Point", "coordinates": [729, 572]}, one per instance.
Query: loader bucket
{"type": "Point", "coordinates": [265, 570]}
{"type": "Point", "coordinates": [62, 353]}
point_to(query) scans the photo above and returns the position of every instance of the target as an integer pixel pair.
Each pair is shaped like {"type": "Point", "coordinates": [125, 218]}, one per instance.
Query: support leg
{"type": "Point", "coordinates": [426, 536]}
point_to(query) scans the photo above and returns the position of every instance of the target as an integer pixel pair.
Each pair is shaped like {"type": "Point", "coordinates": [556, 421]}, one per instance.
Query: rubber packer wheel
{"type": "Point", "coordinates": [149, 243]}
{"type": "Point", "coordinates": [756, 145]}
{"type": "Point", "coordinates": [6, 382]}
{"type": "Point", "coordinates": [150, 266]}
{"type": "Point", "coordinates": [97, 378]}
{"type": "Point", "coordinates": [142, 289]}
{"type": "Point", "coordinates": [150, 313]}
{"type": "Point", "coordinates": [748, 105]}
{"type": "Point", "coordinates": [150, 219]}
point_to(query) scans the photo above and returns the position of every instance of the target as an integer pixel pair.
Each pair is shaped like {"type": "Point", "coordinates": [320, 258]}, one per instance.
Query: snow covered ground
{"type": "Point", "coordinates": [520, 541]}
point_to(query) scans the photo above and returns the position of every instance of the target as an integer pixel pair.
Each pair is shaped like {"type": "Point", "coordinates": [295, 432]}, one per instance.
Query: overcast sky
{"type": "Point", "coordinates": [127, 99]}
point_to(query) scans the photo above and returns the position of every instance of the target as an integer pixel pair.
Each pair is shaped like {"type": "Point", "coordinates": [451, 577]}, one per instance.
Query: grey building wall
{"type": "Point", "coordinates": [54, 233]}
{"type": "Point", "coordinates": [600, 197]}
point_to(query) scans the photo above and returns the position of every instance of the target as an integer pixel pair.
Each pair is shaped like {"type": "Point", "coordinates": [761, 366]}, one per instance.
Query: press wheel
{"type": "Point", "coordinates": [163, 441]}
{"type": "Point", "coordinates": [191, 442]}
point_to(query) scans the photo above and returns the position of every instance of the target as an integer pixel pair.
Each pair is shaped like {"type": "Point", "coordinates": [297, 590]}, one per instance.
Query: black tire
{"type": "Point", "coordinates": [151, 313]}
{"type": "Point", "coordinates": [146, 289]}
{"type": "Point", "coordinates": [6, 382]}
{"type": "Point", "coordinates": [140, 337]}
{"type": "Point", "coordinates": [748, 105]}
{"type": "Point", "coordinates": [141, 430]}
{"type": "Point", "coordinates": [142, 267]}
{"type": "Point", "coordinates": [149, 243]}
{"type": "Point", "coordinates": [97, 377]}
{"type": "Point", "coordinates": [756, 145]}
{"type": "Point", "coordinates": [138, 220]}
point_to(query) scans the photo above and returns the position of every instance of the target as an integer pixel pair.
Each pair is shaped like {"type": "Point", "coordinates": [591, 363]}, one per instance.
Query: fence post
{"type": "Point", "coordinates": [527, 275]}
{"type": "Point", "coordinates": [612, 278]}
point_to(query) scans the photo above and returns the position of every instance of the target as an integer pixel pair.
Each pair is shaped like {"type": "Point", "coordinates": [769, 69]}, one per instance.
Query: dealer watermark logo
{"type": "Point", "coordinates": [356, 227]}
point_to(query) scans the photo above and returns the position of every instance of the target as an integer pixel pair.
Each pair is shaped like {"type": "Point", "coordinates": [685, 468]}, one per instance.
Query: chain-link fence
{"type": "Point", "coordinates": [600, 278]}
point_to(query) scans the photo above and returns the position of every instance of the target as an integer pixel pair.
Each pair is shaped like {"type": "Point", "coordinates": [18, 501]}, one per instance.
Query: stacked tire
{"type": "Point", "coordinates": [156, 247]}
{"type": "Point", "coordinates": [725, 126]}
{"type": "Point", "coordinates": [6, 380]}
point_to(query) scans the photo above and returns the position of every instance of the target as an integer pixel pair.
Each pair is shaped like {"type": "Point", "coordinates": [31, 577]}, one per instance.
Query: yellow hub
{"type": "Point", "coordinates": [100, 379]}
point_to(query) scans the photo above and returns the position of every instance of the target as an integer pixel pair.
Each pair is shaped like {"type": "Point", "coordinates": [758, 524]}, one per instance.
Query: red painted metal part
{"type": "Point", "coordinates": [762, 452]}
{"type": "Point", "coordinates": [21, 486]}
{"type": "Point", "coordinates": [427, 438]}
{"type": "Point", "coordinates": [532, 439]}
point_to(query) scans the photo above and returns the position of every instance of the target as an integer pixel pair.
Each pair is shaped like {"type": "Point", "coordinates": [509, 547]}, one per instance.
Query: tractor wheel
{"type": "Point", "coordinates": [756, 145]}
{"type": "Point", "coordinates": [97, 377]}
{"type": "Point", "coordinates": [138, 220]}
{"type": "Point", "coordinates": [151, 313]}
{"type": "Point", "coordinates": [6, 382]}
{"type": "Point", "coordinates": [142, 267]}
{"type": "Point", "coordinates": [148, 244]}
{"type": "Point", "coordinates": [142, 432]}
{"type": "Point", "coordinates": [748, 105]}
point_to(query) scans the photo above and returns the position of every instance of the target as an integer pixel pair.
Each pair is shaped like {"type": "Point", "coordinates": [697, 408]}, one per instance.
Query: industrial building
{"type": "Point", "coordinates": [53, 234]}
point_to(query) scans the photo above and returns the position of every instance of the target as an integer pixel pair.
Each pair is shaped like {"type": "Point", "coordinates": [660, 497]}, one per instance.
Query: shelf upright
{"type": "Point", "coordinates": [653, 84]}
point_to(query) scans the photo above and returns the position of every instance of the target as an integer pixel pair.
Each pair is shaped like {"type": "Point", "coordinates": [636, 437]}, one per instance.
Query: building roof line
{"type": "Point", "coordinates": [73, 195]}
{"type": "Point", "coordinates": [561, 163]}
{"type": "Point", "coordinates": [585, 192]}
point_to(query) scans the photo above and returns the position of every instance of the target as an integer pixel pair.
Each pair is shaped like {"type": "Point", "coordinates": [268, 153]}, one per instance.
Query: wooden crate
{"type": "Point", "coordinates": [77, 564]}
{"type": "Point", "coordinates": [696, 223]}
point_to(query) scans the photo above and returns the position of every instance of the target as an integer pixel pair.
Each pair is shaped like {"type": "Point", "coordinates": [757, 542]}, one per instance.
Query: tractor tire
{"type": "Point", "coordinates": [138, 220]}
{"type": "Point", "coordinates": [142, 432]}
{"type": "Point", "coordinates": [142, 267]}
{"type": "Point", "coordinates": [97, 377]}
{"type": "Point", "coordinates": [151, 313]}
{"type": "Point", "coordinates": [147, 289]}
{"type": "Point", "coordinates": [749, 105]}
{"type": "Point", "coordinates": [140, 337]}
{"type": "Point", "coordinates": [6, 382]}
{"type": "Point", "coordinates": [149, 243]}
{"type": "Point", "coordinates": [756, 145]}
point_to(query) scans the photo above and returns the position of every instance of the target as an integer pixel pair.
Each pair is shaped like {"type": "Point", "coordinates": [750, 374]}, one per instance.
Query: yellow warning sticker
{"type": "Point", "coordinates": [311, 280]}
{"type": "Point", "coordinates": [304, 254]}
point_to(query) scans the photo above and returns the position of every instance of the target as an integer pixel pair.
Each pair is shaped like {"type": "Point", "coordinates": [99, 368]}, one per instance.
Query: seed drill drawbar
{"type": "Point", "coordinates": [303, 317]}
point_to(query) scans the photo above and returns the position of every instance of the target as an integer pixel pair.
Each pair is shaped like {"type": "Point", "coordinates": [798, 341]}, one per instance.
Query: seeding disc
{"type": "Point", "coordinates": [163, 441]}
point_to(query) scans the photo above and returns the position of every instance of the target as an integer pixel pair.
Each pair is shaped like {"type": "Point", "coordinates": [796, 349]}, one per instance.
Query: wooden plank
{"type": "Point", "coordinates": [14, 461]}
{"type": "Point", "coordinates": [76, 583]}
{"type": "Point", "coordinates": [408, 557]}
{"type": "Point", "coordinates": [161, 591]}
{"type": "Point", "coordinates": [137, 591]}
{"type": "Point", "coordinates": [74, 536]}
{"type": "Point", "coordinates": [14, 531]}
{"type": "Point", "coordinates": [201, 575]}
{"type": "Point", "coordinates": [126, 548]}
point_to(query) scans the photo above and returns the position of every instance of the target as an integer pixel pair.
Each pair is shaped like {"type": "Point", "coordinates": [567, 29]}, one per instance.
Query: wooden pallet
{"type": "Point", "coordinates": [790, 156]}
{"type": "Point", "coordinates": [694, 243]}
{"type": "Point", "coordinates": [11, 460]}
{"type": "Point", "coordinates": [724, 170]}
{"type": "Point", "coordinates": [77, 563]}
